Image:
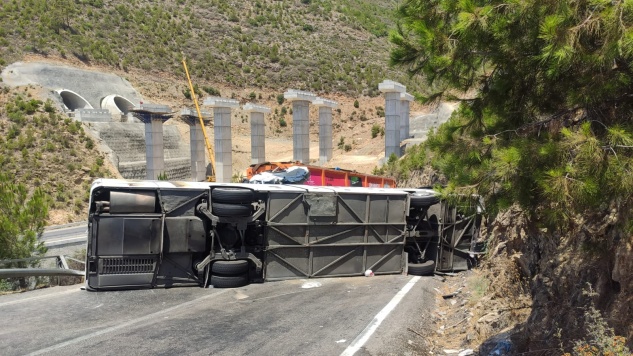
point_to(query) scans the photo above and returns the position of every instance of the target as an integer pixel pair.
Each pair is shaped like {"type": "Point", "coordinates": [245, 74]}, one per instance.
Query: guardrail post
{"type": "Point", "coordinates": [61, 260]}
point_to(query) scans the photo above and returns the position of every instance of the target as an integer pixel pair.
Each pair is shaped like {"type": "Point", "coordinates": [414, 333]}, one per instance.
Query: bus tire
{"type": "Point", "coordinates": [229, 281]}
{"type": "Point", "coordinates": [241, 210]}
{"type": "Point", "coordinates": [229, 268]}
{"type": "Point", "coordinates": [232, 196]}
{"type": "Point", "coordinates": [426, 268]}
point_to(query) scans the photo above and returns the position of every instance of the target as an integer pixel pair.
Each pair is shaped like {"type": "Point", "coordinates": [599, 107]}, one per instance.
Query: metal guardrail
{"type": "Point", "coordinates": [61, 270]}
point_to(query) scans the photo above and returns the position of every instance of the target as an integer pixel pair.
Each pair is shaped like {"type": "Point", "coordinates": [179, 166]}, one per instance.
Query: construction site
{"type": "Point", "coordinates": [144, 139]}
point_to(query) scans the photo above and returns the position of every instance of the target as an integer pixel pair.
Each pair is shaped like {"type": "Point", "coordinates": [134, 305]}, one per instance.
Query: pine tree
{"type": "Point", "coordinates": [544, 86]}
{"type": "Point", "coordinates": [22, 219]}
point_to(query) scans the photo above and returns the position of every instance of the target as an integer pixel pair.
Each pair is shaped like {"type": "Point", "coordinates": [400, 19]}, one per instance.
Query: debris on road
{"type": "Point", "coordinates": [309, 285]}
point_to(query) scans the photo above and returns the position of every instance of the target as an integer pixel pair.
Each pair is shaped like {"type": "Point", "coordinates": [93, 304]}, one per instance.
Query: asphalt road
{"type": "Point", "coordinates": [65, 234]}
{"type": "Point", "coordinates": [337, 316]}
{"type": "Point", "coordinates": [420, 125]}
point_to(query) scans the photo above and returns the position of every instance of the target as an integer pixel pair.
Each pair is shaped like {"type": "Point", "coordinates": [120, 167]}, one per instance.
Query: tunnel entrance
{"type": "Point", "coordinates": [73, 101]}
{"type": "Point", "coordinates": [117, 104]}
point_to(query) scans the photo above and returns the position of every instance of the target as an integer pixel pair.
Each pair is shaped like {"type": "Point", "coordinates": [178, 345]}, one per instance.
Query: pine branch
{"type": "Point", "coordinates": [562, 115]}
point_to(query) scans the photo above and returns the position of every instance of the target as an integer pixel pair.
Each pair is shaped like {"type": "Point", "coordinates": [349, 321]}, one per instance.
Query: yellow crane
{"type": "Point", "coordinates": [207, 143]}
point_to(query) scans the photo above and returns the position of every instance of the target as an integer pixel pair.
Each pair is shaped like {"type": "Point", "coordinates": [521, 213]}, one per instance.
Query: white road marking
{"type": "Point", "coordinates": [124, 325]}
{"type": "Point", "coordinates": [362, 338]}
{"type": "Point", "coordinates": [69, 239]}
{"type": "Point", "coordinates": [39, 297]}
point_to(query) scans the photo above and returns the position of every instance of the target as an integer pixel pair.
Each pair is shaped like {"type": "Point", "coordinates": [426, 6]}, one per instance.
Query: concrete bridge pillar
{"type": "Point", "coordinates": [258, 132]}
{"type": "Point", "coordinates": [300, 123]}
{"type": "Point", "coordinates": [222, 136]}
{"type": "Point", "coordinates": [153, 116]}
{"type": "Point", "coordinates": [405, 100]}
{"type": "Point", "coordinates": [392, 92]}
{"type": "Point", "coordinates": [325, 128]}
{"type": "Point", "coordinates": [196, 139]}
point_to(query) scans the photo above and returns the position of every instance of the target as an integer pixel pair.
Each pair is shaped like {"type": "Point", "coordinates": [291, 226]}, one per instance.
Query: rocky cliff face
{"type": "Point", "coordinates": [564, 273]}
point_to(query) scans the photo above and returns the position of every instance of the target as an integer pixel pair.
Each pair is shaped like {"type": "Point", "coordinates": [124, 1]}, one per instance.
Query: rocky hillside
{"type": "Point", "coordinates": [541, 292]}
{"type": "Point", "coordinates": [43, 148]}
{"type": "Point", "coordinates": [578, 282]}
{"type": "Point", "coordinates": [323, 46]}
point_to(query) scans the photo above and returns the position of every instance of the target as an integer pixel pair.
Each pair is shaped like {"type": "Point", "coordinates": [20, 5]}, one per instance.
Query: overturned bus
{"type": "Point", "coordinates": [149, 234]}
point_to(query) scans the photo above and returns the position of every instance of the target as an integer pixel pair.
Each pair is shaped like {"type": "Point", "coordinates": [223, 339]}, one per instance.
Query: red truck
{"type": "Point", "coordinates": [315, 175]}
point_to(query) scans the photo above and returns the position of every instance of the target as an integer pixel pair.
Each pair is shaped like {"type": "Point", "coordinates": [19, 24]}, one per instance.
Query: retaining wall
{"type": "Point", "coordinates": [127, 142]}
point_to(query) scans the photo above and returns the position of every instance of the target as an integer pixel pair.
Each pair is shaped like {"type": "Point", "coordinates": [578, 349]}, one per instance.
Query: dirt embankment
{"type": "Point", "coordinates": [543, 291]}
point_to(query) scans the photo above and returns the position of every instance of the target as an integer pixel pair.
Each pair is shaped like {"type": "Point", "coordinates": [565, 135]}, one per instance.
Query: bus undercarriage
{"type": "Point", "coordinates": [150, 234]}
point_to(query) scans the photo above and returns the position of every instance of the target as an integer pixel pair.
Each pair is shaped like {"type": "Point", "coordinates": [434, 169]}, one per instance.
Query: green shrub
{"type": "Point", "coordinates": [48, 106]}
{"type": "Point", "coordinates": [341, 143]}
{"type": "Point", "coordinates": [280, 99]}
{"type": "Point", "coordinates": [375, 130]}
{"type": "Point", "coordinates": [61, 197]}
{"type": "Point", "coordinates": [14, 131]}
{"type": "Point", "coordinates": [211, 91]}
{"type": "Point", "coordinates": [73, 128]}
{"type": "Point", "coordinates": [599, 338]}
{"type": "Point", "coordinates": [17, 117]}
{"type": "Point", "coordinates": [380, 111]}
{"type": "Point", "coordinates": [356, 104]}
{"type": "Point", "coordinates": [378, 171]}
{"type": "Point", "coordinates": [282, 122]}
{"type": "Point", "coordinates": [95, 171]}
{"type": "Point", "coordinates": [196, 89]}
